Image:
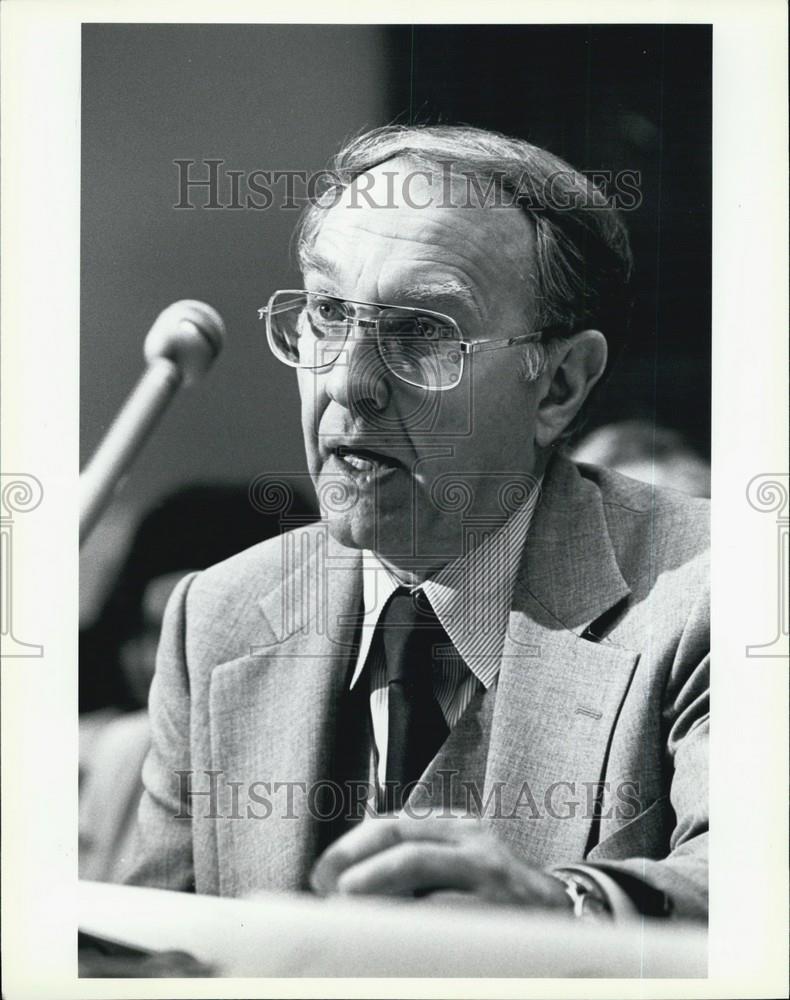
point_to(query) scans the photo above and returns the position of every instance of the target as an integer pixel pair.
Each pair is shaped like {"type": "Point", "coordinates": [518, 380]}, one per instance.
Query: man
{"type": "Point", "coordinates": [493, 658]}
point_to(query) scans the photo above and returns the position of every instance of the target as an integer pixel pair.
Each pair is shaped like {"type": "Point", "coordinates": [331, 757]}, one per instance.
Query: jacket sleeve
{"type": "Point", "coordinates": [682, 875]}
{"type": "Point", "coordinates": [162, 847]}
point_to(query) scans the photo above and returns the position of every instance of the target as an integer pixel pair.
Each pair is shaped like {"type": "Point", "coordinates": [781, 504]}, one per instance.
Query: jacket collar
{"type": "Point", "coordinates": [569, 573]}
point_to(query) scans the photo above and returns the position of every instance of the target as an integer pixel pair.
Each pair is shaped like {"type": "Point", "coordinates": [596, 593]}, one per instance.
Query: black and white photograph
{"type": "Point", "coordinates": [392, 401]}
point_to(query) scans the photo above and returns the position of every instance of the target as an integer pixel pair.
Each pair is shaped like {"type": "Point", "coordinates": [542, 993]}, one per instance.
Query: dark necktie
{"type": "Point", "coordinates": [412, 640]}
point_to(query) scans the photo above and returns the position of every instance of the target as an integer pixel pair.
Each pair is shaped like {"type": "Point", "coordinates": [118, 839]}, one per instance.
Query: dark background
{"type": "Point", "coordinates": [285, 97]}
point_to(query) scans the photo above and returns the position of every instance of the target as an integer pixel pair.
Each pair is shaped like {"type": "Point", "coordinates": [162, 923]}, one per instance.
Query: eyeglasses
{"type": "Point", "coordinates": [420, 347]}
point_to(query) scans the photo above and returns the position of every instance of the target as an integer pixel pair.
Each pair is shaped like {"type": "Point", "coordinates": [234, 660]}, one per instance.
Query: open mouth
{"type": "Point", "coordinates": [365, 459]}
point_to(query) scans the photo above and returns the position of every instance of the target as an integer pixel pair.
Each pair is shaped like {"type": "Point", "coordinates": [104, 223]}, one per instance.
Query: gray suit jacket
{"type": "Point", "coordinates": [592, 747]}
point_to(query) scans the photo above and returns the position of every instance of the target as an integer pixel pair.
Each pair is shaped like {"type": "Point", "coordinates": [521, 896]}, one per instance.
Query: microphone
{"type": "Point", "coordinates": [180, 347]}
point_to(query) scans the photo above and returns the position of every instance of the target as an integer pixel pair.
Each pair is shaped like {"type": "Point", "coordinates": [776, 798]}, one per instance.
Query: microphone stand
{"type": "Point", "coordinates": [124, 439]}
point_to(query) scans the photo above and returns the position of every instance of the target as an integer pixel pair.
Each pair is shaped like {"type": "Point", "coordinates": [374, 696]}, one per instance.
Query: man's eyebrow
{"type": "Point", "coordinates": [441, 289]}
{"type": "Point", "coordinates": [424, 292]}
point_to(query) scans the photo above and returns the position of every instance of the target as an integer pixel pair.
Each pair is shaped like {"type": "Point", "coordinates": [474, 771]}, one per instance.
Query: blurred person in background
{"type": "Point", "coordinates": [646, 452]}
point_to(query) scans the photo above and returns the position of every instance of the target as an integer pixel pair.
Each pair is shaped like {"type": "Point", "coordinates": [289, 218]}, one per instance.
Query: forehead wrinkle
{"type": "Point", "coordinates": [512, 249]}
{"type": "Point", "coordinates": [315, 260]}
{"type": "Point", "coordinates": [312, 260]}
{"type": "Point", "coordinates": [480, 263]}
{"type": "Point", "coordinates": [463, 222]}
{"type": "Point", "coordinates": [478, 258]}
{"type": "Point", "coordinates": [465, 237]}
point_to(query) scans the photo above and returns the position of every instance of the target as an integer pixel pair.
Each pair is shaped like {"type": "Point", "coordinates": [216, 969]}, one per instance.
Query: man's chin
{"type": "Point", "coordinates": [357, 517]}
{"type": "Point", "coordinates": [352, 530]}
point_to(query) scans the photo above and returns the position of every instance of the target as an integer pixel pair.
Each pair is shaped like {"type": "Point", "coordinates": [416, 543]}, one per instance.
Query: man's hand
{"type": "Point", "coordinates": [404, 856]}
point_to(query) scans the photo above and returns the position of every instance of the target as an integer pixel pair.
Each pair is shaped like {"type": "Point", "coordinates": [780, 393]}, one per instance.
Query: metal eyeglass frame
{"type": "Point", "coordinates": [466, 347]}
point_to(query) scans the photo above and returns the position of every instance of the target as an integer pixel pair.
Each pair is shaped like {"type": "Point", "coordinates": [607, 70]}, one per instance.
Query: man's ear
{"type": "Point", "coordinates": [572, 372]}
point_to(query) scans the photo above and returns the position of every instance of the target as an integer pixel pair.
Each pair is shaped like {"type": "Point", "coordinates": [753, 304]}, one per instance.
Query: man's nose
{"type": "Point", "coordinates": [359, 378]}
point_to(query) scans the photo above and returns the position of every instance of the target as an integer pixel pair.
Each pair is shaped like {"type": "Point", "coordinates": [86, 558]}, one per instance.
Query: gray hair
{"type": "Point", "coordinates": [582, 263]}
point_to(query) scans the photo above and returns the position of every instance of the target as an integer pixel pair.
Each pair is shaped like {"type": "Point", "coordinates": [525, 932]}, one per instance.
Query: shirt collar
{"type": "Point", "coordinates": [471, 595]}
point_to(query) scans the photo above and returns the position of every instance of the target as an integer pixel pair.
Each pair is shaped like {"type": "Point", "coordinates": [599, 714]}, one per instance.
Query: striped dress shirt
{"type": "Point", "coordinates": [471, 596]}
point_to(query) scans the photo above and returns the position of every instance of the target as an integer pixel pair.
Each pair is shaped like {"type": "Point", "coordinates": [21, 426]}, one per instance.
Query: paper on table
{"type": "Point", "coordinates": [282, 934]}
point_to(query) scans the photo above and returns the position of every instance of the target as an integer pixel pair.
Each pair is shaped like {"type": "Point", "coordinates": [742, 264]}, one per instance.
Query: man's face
{"type": "Point", "coordinates": [393, 450]}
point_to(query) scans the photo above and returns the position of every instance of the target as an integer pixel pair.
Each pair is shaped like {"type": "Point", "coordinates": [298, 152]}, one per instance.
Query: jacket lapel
{"type": "Point", "coordinates": [558, 693]}
{"type": "Point", "coordinates": [273, 715]}
{"type": "Point", "coordinates": [453, 779]}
